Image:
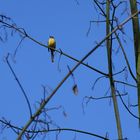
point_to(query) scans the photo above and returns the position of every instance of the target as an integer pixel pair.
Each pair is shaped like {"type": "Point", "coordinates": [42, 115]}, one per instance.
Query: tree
{"type": "Point", "coordinates": [47, 100]}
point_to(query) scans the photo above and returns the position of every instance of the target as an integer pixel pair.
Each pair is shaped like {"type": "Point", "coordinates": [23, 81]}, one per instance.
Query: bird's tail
{"type": "Point", "coordinates": [52, 56]}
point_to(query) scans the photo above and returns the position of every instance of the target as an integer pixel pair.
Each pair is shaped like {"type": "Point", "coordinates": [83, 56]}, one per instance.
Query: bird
{"type": "Point", "coordinates": [51, 47]}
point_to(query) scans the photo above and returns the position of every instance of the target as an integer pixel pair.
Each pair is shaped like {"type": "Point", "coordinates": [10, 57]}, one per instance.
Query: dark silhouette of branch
{"type": "Point", "coordinates": [23, 32]}
{"type": "Point", "coordinates": [74, 130]}
{"type": "Point", "coordinates": [38, 112]}
{"type": "Point", "coordinates": [9, 125]}
{"type": "Point", "coordinates": [107, 97]}
{"type": "Point", "coordinates": [134, 105]}
{"type": "Point", "coordinates": [104, 97]}
{"type": "Point", "coordinates": [119, 71]}
{"type": "Point", "coordinates": [110, 67]}
{"type": "Point", "coordinates": [127, 107]}
{"type": "Point", "coordinates": [97, 81]}
{"type": "Point", "coordinates": [120, 44]}
{"type": "Point", "coordinates": [19, 45]}
{"type": "Point", "coordinates": [106, 77]}
{"type": "Point", "coordinates": [52, 130]}
{"type": "Point", "coordinates": [21, 87]}
{"type": "Point", "coordinates": [124, 83]}
{"type": "Point", "coordinates": [97, 98]}
{"type": "Point", "coordinates": [92, 21]}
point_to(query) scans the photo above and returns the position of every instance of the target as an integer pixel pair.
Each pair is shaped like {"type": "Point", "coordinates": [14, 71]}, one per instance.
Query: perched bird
{"type": "Point", "coordinates": [52, 46]}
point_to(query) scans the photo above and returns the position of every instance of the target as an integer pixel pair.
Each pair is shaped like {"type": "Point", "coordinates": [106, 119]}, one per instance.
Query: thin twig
{"type": "Point", "coordinates": [126, 106]}
{"type": "Point", "coordinates": [104, 97]}
{"type": "Point", "coordinates": [106, 77]}
{"type": "Point", "coordinates": [74, 130]}
{"type": "Point", "coordinates": [20, 85]}
{"type": "Point", "coordinates": [19, 45]}
{"type": "Point", "coordinates": [127, 84]}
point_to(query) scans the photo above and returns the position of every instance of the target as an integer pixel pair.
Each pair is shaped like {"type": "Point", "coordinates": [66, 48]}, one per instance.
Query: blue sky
{"type": "Point", "coordinates": [69, 23]}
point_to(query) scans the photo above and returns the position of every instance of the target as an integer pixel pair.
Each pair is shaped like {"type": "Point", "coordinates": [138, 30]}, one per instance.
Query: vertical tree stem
{"type": "Point", "coordinates": [112, 85]}
{"type": "Point", "coordinates": [136, 36]}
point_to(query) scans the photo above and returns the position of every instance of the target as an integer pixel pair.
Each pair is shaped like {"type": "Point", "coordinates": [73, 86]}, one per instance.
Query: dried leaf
{"type": "Point", "coordinates": [65, 114]}
{"type": "Point", "coordinates": [75, 89]}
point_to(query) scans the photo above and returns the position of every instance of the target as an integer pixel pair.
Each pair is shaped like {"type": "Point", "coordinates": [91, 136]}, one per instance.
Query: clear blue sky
{"type": "Point", "coordinates": [69, 23]}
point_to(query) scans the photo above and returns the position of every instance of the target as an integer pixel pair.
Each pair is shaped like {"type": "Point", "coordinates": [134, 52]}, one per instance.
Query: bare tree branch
{"type": "Point", "coordinates": [21, 87]}
{"type": "Point", "coordinates": [37, 113]}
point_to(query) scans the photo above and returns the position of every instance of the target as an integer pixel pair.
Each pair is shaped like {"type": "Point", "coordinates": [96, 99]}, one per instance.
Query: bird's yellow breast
{"type": "Point", "coordinates": [51, 42]}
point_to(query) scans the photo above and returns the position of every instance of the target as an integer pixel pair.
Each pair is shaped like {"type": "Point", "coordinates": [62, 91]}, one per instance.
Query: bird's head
{"type": "Point", "coordinates": [51, 36]}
